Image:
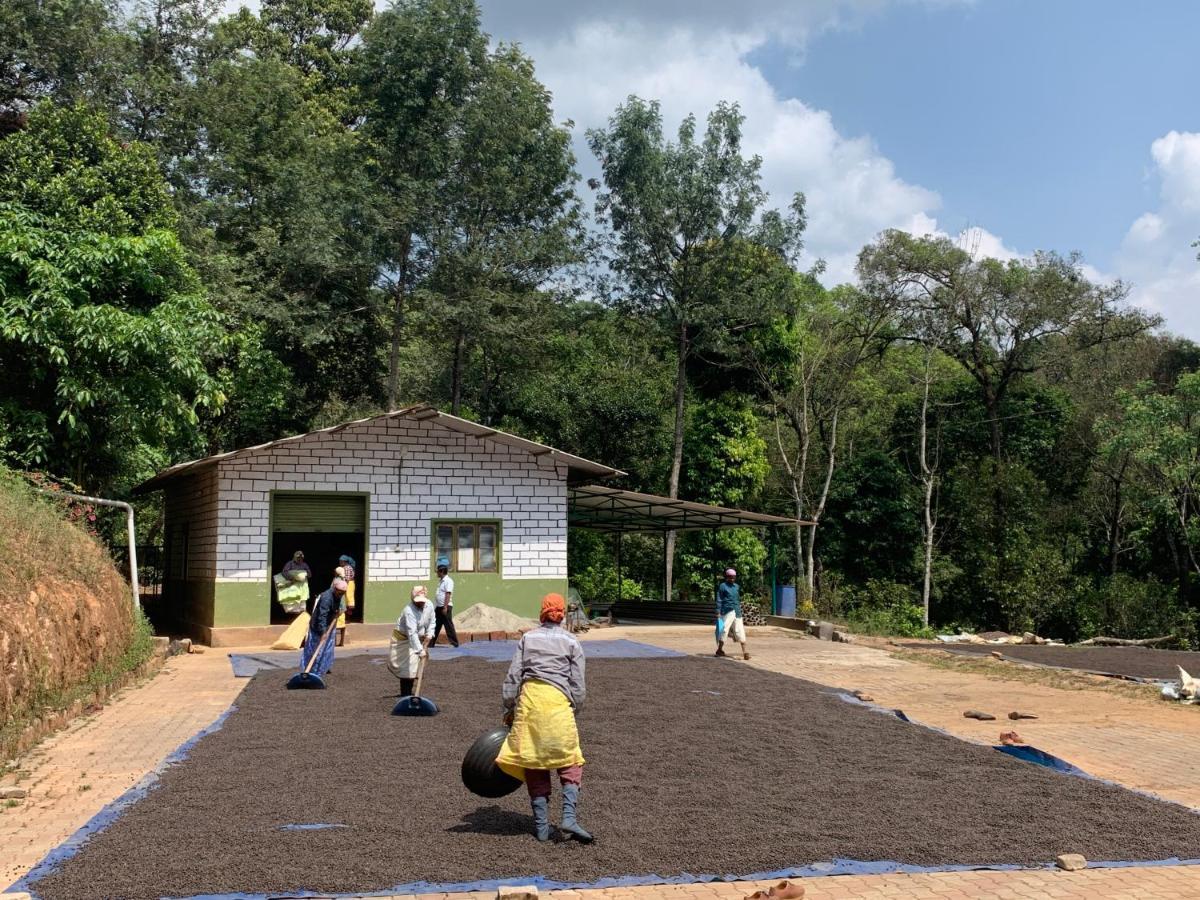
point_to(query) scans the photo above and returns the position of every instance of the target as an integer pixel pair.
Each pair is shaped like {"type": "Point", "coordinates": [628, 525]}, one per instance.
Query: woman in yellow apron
{"type": "Point", "coordinates": [345, 571]}
{"type": "Point", "coordinates": [543, 691]}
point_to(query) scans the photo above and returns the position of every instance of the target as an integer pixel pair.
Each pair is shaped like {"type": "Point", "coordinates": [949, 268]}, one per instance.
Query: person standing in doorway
{"type": "Point", "coordinates": [345, 571]}
{"type": "Point", "coordinates": [297, 571]}
{"type": "Point", "coordinates": [729, 614]}
{"type": "Point", "coordinates": [443, 611]}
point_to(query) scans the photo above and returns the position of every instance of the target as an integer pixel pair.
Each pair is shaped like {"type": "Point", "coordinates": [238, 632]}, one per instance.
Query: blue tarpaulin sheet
{"type": "Point", "coordinates": [1041, 758]}
{"type": "Point", "coordinates": [1020, 751]}
{"type": "Point", "coordinates": [817, 870]}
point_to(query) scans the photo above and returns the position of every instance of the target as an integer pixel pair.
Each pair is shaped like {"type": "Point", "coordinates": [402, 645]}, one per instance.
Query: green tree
{"type": "Point", "coordinates": [278, 212]}
{"type": "Point", "coordinates": [1157, 433]}
{"type": "Point", "coordinates": [669, 207]}
{"type": "Point", "coordinates": [420, 62]}
{"type": "Point", "coordinates": [503, 221]}
{"type": "Point", "coordinates": [164, 45]}
{"type": "Point", "coordinates": [810, 365]}
{"type": "Point", "coordinates": [56, 49]}
{"type": "Point", "coordinates": [1000, 321]}
{"type": "Point", "coordinates": [104, 328]}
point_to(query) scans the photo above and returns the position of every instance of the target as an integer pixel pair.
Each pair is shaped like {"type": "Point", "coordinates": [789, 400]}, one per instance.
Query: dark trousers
{"type": "Point", "coordinates": [537, 781]}
{"type": "Point", "coordinates": [443, 617]}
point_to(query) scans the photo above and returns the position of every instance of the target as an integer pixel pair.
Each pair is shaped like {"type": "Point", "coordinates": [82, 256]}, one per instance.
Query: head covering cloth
{"type": "Point", "coordinates": [339, 584]}
{"type": "Point", "coordinates": [554, 608]}
{"type": "Point", "coordinates": [419, 591]}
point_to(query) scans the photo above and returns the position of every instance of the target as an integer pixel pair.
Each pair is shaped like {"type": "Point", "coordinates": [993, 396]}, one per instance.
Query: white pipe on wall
{"type": "Point", "coordinates": [133, 575]}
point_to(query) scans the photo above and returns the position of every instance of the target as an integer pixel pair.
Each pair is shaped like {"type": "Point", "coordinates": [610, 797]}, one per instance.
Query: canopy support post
{"type": "Point", "coordinates": [774, 589]}
{"type": "Point", "coordinates": [620, 583]}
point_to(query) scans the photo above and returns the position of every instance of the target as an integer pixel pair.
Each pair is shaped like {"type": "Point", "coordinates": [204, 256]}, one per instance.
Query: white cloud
{"type": "Point", "coordinates": [852, 188]}
{"type": "Point", "coordinates": [787, 21]}
{"type": "Point", "coordinates": [1157, 257]}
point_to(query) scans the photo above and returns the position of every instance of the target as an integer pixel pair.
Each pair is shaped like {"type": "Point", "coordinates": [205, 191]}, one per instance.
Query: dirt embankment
{"type": "Point", "coordinates": [65, 612]}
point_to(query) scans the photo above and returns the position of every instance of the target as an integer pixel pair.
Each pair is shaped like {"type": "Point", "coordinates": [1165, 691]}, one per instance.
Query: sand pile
{"type": "Point", "coordinates": [482, 617]}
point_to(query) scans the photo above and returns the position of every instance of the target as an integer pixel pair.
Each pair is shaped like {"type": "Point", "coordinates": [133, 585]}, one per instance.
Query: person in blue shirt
{"type": "Point", "coordinates": [729, 614]}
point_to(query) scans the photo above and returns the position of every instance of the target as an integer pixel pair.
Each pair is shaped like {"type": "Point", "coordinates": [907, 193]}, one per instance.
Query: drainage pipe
{"type": "Point", "coordinates": [117, 504]}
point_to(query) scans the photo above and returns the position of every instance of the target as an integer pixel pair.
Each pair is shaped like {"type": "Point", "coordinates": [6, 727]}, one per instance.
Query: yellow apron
{"type": "Point", "coordinates": [341, 622]}
{"type": "Point", "coordinates": [543, 734]}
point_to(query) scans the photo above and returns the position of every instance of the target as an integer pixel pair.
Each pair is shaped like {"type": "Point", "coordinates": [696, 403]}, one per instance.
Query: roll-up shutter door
{"type": "Point", "coordinates": [319, 512]}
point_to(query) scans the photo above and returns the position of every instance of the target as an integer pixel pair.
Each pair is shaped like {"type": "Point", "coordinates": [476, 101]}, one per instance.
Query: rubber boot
{"type": "Point", "coordinates": [570, 826]}
{"type": "Point", "coordinates": [541, 817]}
{"type": "Point", "coordinates": [406, 686]}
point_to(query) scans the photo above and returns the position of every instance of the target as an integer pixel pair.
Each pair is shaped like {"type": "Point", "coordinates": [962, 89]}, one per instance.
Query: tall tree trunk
{"type": "Point", "coordinates": [1114, 525]}
{"type": "Point", "coordinates": [819, 509]}
{"type": "Point", "coordinates": [795, 475]}
{"type": "Point", "coordinates": [927, 479]}
{"type": "Point", "coordinates": [398, 311]}
{"type": "Point", "coordinates": [996, 612]}
{"type": "Point", "coordinates": [676, 453]}
{"type": "Point", "coordinates": [460, 342]}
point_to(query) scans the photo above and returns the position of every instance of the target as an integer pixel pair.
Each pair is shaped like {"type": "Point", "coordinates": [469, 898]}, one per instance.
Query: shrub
{"type": "Point", "coordinates": [598, 584]}
{"type": "Point", "coordinates": [885, 608]}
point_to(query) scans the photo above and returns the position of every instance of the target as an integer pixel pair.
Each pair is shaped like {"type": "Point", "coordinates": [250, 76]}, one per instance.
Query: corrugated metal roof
{"type": "Point", "coordinates": [614, 510]}
{"type": "Point", "coordinates": [577, 466]}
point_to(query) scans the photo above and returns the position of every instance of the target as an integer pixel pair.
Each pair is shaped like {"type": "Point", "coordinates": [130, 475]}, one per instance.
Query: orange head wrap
{"type": "Point", "coordinates": [554, 608]}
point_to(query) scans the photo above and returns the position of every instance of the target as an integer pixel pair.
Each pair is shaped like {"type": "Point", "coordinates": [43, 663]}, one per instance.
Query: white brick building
{"type": "Point", "coordinates": [394, 491]}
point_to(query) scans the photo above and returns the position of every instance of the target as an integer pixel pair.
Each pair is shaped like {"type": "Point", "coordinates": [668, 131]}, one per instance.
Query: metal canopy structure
{"type": "Point", "coordinates": [616, 511]}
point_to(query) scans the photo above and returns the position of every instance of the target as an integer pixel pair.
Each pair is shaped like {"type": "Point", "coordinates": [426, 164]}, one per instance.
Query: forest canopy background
{"type": "Point", "coordinates": [217, 229]}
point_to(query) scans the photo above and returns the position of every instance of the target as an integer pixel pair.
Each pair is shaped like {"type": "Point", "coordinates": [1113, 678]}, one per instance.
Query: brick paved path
{"type": "Point", "coordinates": [1140, 744]}
{"type": "Point", "coordinates": [74, 773]}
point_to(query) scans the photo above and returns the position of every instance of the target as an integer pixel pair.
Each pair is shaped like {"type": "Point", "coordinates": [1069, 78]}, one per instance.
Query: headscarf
{"type": "Point", "coordinates": [419, 591]}
{"type": "Point", "coordinates": [339, 572]}
{"type": "Point", "coordinates": [339, 584]}
{"type": "Point", "coordinates": [554, 608]}
{"type": "Point", "coordinates": [730, 573]}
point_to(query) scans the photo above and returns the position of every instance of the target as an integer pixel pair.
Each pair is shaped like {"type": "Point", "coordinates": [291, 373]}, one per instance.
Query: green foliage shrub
{"type": "Point", "coordinates": [598, 584]}
{"type": "Point", "coordinates": [885, 607]}
{"type": "Point", "coordinates": [1127, 607]}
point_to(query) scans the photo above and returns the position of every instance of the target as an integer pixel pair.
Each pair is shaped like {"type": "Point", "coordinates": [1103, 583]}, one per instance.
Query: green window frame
{"type": "Point", "coordinates": [471, 545]}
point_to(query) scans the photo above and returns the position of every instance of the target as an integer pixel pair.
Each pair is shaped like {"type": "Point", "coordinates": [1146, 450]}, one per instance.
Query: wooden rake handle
{"type": "Point", "coordinates": [312, 661]}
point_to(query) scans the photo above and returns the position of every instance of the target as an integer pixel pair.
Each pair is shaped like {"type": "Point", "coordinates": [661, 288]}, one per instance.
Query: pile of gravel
{"type": "Point", "coordinates": [482, 617]}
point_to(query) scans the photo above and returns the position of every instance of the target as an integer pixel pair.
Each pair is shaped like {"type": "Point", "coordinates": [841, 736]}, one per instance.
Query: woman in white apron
{"type": "Point", "coordinates": [410, 639]}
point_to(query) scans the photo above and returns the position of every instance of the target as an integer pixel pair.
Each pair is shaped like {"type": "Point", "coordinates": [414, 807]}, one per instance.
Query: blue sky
{"type": "Point", "coordinates": [1033, 117]}
{"type": "Point", "coordinates": [1038, 124]}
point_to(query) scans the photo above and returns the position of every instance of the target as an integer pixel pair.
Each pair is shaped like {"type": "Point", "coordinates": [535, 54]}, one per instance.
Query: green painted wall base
{"type": "Point", "coordinates": [387, 599]}
{"type": "Point", "coordinates": [240, 604]}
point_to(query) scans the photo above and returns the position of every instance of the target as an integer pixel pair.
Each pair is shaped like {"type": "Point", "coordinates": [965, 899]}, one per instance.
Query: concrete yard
{"type": "Point", "coordinates": [1133, 742]}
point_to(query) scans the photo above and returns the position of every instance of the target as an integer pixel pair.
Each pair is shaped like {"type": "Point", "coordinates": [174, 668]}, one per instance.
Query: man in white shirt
{"type": "Point", "coordinates": [443, 610]}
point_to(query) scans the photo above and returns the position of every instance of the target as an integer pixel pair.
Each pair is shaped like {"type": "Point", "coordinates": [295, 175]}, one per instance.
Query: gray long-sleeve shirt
{"type": "Point", "coordinates": [550, 654]}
